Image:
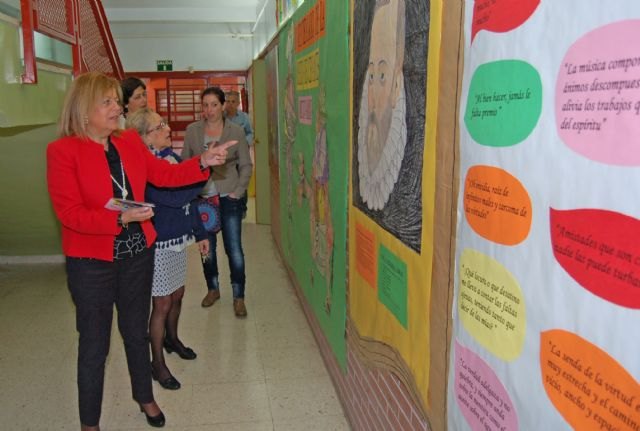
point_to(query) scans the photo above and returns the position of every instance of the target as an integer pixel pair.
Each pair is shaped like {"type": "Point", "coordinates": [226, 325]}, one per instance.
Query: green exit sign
{"type": "Point", "coordinates": [164, 65]}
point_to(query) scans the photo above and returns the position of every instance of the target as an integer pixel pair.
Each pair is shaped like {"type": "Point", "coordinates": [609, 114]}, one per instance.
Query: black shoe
{"type": "Point", "coordinates": [155, 421]}
{"type": "Point", "coordinates": [184, 352]}
{"type": "Point", "coordinates": [170, 382]}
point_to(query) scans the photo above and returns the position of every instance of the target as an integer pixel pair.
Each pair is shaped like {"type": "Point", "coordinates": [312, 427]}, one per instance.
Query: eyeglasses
{"type": "Point", "coordinates": [160, 126]}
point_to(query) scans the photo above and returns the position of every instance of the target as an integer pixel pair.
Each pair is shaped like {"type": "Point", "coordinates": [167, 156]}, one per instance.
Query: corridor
{"type": "Point", "coordinates": [261, 373]}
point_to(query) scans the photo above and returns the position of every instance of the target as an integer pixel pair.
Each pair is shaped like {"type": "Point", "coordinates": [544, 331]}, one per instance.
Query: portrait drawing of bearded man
{"type": "Point", "coordinates": [390, 73]}
{"type": "Point", "coordinates": [382, 131]}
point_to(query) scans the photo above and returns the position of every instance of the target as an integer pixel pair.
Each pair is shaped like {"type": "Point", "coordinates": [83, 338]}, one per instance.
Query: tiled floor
{"type": "Point", "coordinates": [260, 373]}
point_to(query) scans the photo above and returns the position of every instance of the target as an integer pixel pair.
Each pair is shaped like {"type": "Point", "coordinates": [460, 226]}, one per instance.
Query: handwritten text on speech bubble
{"type": "Point", "coordinates": [504, 103]}
{"type": "Point", "coordinates": [500, 16]}
{"type": "Point", "coordinates": [598, 95]}
{"type": "Point", "coordinates": [496, 205]}
{"type": "Point", "coordinates": [588, 387]}
{"type": "Point", "coordinates": [600, 250]}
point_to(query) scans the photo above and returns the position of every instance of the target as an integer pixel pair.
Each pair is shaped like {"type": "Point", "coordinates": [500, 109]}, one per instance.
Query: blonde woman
{"type": "Point", "coordinates": [109, 254]}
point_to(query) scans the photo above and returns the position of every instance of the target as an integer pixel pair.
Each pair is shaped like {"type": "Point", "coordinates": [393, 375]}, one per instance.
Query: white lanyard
{"type": "Point", "coordinates": [123, 186]}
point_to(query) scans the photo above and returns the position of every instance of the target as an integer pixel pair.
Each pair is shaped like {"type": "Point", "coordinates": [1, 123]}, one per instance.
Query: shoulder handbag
{"type": "Point", "coordinates": [209, 209]}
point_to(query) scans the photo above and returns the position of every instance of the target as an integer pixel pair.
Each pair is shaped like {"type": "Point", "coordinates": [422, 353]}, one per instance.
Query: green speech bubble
{"type": "Point", "coordinates": [504, 103]}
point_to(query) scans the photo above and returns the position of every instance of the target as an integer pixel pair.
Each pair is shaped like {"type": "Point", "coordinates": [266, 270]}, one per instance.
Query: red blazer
{"type": "Point", "coordinates": [79, 184]}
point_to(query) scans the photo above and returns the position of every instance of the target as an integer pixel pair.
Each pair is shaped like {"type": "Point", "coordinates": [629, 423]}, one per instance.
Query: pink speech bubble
{"type": "Point", "coordinates": [598, 95]}
{"type": "Point", "coordinates": [484, 401]}
{"type": "Point", "coordinates": [500, 16]}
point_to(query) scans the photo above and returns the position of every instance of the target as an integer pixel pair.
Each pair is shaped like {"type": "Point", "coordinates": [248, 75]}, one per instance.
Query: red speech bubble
{"type": "Point", "coordinates": [600, 250]}
{"type": "Point", "coordinates": [500, 16]}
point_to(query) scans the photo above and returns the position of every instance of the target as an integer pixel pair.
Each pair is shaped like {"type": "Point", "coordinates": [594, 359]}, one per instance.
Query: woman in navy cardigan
{"type": "Point", "coordinates": [178, 225]}
{"type": "Point", "coordinates": [109, 255]}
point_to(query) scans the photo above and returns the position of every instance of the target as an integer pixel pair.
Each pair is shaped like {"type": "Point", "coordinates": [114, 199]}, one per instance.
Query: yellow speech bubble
{"type": "Point", "coordinates": [490, 305]}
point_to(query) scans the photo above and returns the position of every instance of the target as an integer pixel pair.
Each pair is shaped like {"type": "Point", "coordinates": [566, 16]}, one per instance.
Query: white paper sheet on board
{"type": "Point", "coordinates": [547, 288]}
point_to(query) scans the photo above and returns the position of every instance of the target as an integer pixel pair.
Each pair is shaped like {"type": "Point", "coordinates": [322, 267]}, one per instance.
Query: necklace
{"type": "Point", "coordinates": [123, 186]}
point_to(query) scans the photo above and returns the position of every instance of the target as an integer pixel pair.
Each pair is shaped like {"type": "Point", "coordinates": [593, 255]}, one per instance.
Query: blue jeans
{"type": "Point", "coordinates": [231, 211]}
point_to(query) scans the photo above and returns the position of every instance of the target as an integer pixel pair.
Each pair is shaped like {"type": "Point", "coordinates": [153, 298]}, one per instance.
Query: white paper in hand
{"type": "Point", "coordinates": [116, 204]}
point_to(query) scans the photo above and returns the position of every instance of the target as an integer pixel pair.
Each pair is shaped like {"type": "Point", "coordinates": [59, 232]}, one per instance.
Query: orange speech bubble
{"type": "Point", "coordinates": [589, 388]}
{"type": "Point", "coordinates": [496, 205]}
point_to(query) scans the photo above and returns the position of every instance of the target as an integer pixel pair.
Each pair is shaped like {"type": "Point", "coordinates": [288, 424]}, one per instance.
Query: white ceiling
{"type": "Point", "coordinates": [138, 25]}
{"type": "Point", "coordinates": [182, 18]}
{"type": "Point", "coordinates": [195, 34]}
{"type": "Point", "coordinates": [137, 18]}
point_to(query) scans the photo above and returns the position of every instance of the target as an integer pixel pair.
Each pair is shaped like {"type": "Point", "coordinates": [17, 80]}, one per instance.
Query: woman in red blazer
{"type": "Point", "coordinates": [109, 254]}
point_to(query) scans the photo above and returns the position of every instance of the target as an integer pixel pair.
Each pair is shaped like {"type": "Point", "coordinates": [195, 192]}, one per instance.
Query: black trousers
{"type": "Point", "coordinates": [95, 286]}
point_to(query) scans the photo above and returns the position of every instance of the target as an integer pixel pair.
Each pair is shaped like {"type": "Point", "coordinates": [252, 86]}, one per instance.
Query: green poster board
{"type": "Point", "coordinates": [314, 154]}
{"type": "Point", "coordinates": [392, 284]}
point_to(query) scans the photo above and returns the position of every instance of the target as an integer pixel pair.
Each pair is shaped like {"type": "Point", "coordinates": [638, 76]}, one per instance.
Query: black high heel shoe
{"type": "Point", "coordinates": [170, 382]}
{"type": "Point", "coordinates": [156, 421]}
{"type": "Point", "coordinates": [184, 352]}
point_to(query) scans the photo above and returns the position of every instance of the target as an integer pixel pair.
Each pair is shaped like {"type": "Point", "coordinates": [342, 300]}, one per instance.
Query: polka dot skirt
{"type": "Point", "coordinates": [170, 271]}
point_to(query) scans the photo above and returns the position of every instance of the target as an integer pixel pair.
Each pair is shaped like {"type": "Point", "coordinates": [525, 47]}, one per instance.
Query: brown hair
{"type": "Point", "coordinates": [129, 86]}
{"type": "Point", "coordinates": [216, 91]}
{"type": "Point", "coordinates": [83, 95]}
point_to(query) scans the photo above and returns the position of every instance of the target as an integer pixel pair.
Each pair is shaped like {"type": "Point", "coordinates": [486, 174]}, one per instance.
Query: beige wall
{"type": "Point", "coordinates": [261, 144]}
{"type": "Point", "coordinates": [27, 223]}
{"type": "Point", "coordinates": [27, 116]}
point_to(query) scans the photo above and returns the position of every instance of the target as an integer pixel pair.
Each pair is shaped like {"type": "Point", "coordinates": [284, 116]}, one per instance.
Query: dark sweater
{"type": "Point", "coordinates": [176, 211]}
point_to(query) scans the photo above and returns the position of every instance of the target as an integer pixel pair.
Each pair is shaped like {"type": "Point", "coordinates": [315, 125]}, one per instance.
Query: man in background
{"type": "Point", "coordinates": [235, 115]}
{"type": "Point", "coordinates": [231, 112]}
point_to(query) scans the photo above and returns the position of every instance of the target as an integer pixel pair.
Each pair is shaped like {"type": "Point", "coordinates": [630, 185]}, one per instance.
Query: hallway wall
{"type": "Point", "coordinates": [27, 116]}
{"type": "Point", "coordinates": [377, 389]}
{"type": "Point", "coordinates": [262, 177]}
{"type": "Point", "coordinates": [27, 223]}
{"type": "Point", "coordinates": [313, 161]}
{"type": "Point", "coordinates": [24, 104]}
{"type": "Point", "coordinates": [534, 281]}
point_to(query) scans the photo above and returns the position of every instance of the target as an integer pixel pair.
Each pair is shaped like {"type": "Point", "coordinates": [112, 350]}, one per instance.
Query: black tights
{"type": "Point", "coordinates": [164, 320]}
